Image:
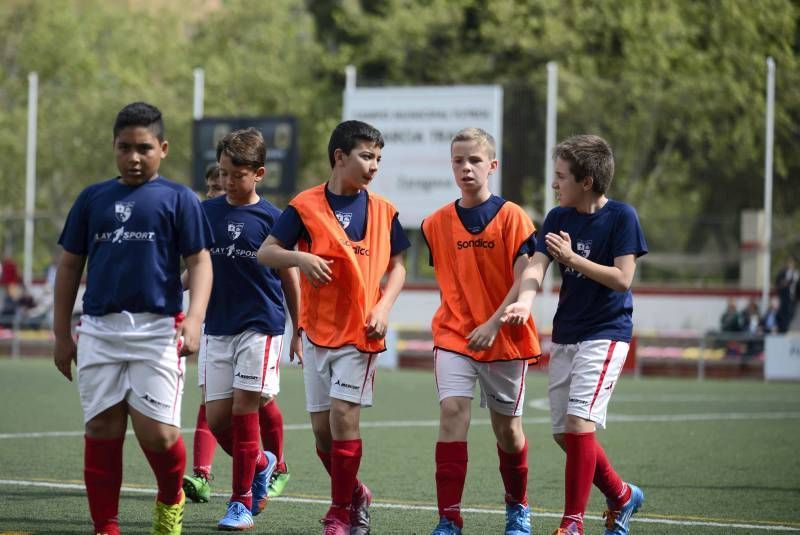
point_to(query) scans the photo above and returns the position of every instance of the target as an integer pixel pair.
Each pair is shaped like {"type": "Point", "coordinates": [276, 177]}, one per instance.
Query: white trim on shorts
{"type": "Point", "coordinates": [131, 357]}
{"type": "Point", "coordinates": [582, 378]}
{"type": "Point", "coordinates": [354, 374]}
{"type": "Point", "coordinates": [241, 361]}
{"type": "Point", "coordinates": [502, 382]}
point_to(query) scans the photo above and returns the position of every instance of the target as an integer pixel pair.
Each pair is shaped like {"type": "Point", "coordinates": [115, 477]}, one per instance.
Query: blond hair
{"type": "Point", "coordinates": [479, 136]}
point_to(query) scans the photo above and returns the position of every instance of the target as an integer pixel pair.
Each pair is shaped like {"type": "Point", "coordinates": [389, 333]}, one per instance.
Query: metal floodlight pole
{"type": "Point", "coordinates": [30, 177]}
{"type": "Point", "coordinates": [550, 144]}
{"type": "Point", "coordinates": [199, 93]}
{"type": "Point", "coordinates": [770, 141]}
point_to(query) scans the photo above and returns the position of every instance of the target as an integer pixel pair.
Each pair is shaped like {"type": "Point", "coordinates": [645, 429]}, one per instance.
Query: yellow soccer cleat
{"type": "Point", "coordinates": [168, 519]}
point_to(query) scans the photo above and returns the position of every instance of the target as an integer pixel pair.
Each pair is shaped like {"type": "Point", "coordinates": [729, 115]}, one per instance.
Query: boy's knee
{"type": "Point", "coordinates": [161, 440]}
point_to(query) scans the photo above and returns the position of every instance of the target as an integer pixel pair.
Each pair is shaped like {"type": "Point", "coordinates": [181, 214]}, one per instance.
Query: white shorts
{"type": "Point", "coordinates": [343, 373]}
{"type": "Point", "coordinates": [130, 357]}
{"type": "Point", "coordinates": [582, 379]}
{"type": "Point", "coordinates": [245, 361]}
{"type": "Point", "coordinates": [502, 382]}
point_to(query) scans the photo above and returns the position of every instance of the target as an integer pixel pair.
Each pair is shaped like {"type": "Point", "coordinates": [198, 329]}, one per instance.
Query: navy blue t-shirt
{"type": "Point", "coordinates": [245, 295]}
{"type": "Point", "coordinates": [476, 218]}
{"type": "Point", "coordinates": [350, 210]}
{"type": "Point", "coordinates": [588, 310]}
{"type": "Point", "coordinates": [134, 237]}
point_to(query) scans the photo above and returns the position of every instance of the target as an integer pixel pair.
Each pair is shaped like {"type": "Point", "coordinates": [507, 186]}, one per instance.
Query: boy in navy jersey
{"type": "Point", "coordinates": [347, 240]}
{"type": "Point", "coordinates": [244, 326]}
{"type": "Point", "coordinates": [596, 241]}
{"type": "Point", "coordinates": [197, 486]}
{"type": "Point", "coordinates": [133, 229]}
{"type": "Point", "coordinates": [479, 247]}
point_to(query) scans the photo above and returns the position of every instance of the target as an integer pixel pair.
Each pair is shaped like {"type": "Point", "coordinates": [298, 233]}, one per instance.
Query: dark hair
{"type": "Point", "coordinates": [348, 133]}
{"type": "Point", "coordinates": [244, 147]}
{"type": "Point", "coordinates": [588, 155]}
{"type": "Point", "coordinates": [140, 114]}
{"type": "Point", "coordinates": [212, 171]}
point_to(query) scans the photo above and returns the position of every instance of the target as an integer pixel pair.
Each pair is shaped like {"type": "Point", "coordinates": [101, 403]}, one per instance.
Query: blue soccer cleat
{"type": "Point", "coordinates": [518, 519]}
{"type": "Point", "coordinates": [446, 527]}
{"type": "Point", "coordinates": [260, 487]}
{"type": "Point", "coordinates": [237, 518]}
{"type": "Point", "coordinates": [617, 521]}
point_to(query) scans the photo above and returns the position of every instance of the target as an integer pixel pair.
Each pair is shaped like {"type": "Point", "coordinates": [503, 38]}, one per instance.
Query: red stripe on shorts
{"type": "Point", "coordinates": [521, 385]}
{"type": "Point", "coordinates": [366, 375]}
{"type": "Point", "coordinates": [266, 361]}
{"type": "Point", "coordinates": [603, 373]}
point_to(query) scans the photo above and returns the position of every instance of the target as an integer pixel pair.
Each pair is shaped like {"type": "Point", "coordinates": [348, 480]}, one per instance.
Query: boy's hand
{"type": "Point", "coordinates": [296, 348]}
{"type": "Point", "coordinates": [559, 246]}
{"type": "Point", "coordinates": [189, 330]}
{"type": "Point", "coordinates": [65, 353]}
{"type": "Point", "coordinates": [316, 269]}
{"type": "Point", "coordinates": [377, 322]}
{"type": "Point", "coordinates": [482, 337]}
{"type": "Point", "coordinates": [515, 314]}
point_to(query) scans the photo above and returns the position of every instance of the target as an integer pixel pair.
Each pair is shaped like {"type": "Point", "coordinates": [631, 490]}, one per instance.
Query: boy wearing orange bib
{"type": "Point", "coordinates": [347, 239]}
{"type": "Point", "coordinates": [479, 247]}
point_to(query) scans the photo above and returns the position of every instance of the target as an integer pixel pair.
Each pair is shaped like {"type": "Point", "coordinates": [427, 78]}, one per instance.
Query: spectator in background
{"type": "Point", "coordinates": [730, 321]}
{"type": "Point", "coordinates": [9, 274]}
{"type": "Point", "coordinates": [770, 322]}
{"type": "Point", "coordinates": [786, 283]}
{"type": "Point", "coordinates": [751, 325]}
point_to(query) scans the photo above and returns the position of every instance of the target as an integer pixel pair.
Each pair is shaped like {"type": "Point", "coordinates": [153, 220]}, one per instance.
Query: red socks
{"type": "Point", "coordinates": [325, 457]}
{"type": "Point", "coordinates": [271, 423]}
{"type": "Point", "coordinates": [246, 455]}
{"type": "Point", "coordinates": [514, 471]}
{"type": "Point", "coordinates": [606, 479]}
{"type": "Point", "coordinates": [102, 473]}
{"type": "Point", "coordinates": [168, 467]}
{"type": "Point", "coordinates": [451, 472]}
{"type": "Point", "coordinates": [204, 445]}
{"type": "Point", "coordinates": [581, 462]}
{"type": "Point", "coordinates": [345, 460]}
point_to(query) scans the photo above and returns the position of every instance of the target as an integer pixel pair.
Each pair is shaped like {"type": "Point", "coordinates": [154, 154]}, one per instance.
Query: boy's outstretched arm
{"type": "Point", "coordinates": [274, 254]}
{"type": "Point", "coordinates": [529, 284]}
{"type": "Point", "coordinates": [482, 337]}
{"type": "Point", "coordinates": [68, 279]}
{"type": "Point", "coordinates": [290, 283]}
{"type": "Point", "coordinates": [618, 277]}
{"type": "Point", "coordinates": [198, 267]}
{"type": "Point", "coordinates": [378, 318]}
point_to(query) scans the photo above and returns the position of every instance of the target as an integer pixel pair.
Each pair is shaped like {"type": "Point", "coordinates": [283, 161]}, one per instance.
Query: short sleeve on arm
{"type": "Point", "coordinates": [399, 240]}
{"type": "Point", "coordinates": [628, 235]}
{"type": "Point", "coordinates": [194, 230]}
{"type": "Point", "coordinates": [528, 247]}
{"type": "Point", "coordinates": [74, 236]}
{"type": "Point", "coordinates": [288, 228]}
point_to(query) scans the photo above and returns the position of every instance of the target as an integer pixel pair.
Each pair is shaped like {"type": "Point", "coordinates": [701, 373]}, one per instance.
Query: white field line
{"type": "Point", "coordinates": [411, 507]}
{"type": "Point", "coordinates": [620, 418]}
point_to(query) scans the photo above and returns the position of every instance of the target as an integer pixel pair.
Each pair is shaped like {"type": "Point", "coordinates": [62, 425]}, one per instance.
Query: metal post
{"type": "Point", "coordinates": [770, 141]}
{"type": "Point", "coordinates": [30, 177]}
{"type": "Point", "coordinates": [350, 78]}
{"type": "Point", "coordinates": [701, 363]}
{"type": "Point", "coordinates": [199, 93]}
{"type": "Point", "coordinates": [550, 144]}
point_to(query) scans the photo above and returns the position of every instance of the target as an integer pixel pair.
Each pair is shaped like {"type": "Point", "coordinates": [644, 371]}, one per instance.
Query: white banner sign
{"type": "Point", "coordinates": [417, 124]}
{"type": "Point", "coordinates": [782, 357]}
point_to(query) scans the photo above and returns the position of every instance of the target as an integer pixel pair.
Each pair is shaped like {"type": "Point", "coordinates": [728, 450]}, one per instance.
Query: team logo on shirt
{"type": "Point", "coordinates": [344, 218]}
{"type": "Point", "coordinates": [583, 248]}
{"type": "Point", "coordinates": [123, 210]}
{"type": "Point", "coordinates": [235, 229]}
